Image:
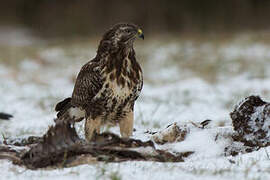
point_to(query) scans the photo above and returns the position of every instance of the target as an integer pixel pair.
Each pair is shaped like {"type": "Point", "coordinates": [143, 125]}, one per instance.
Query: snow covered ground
{"type": "Point", "coordinates": [185, 80]}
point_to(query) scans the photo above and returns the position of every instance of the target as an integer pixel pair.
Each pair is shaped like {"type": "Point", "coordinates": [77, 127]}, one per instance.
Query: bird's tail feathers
{"type": "Point", "coordinates": [63, 106]}
{"type": "Point", "coordinates": [65, 111]}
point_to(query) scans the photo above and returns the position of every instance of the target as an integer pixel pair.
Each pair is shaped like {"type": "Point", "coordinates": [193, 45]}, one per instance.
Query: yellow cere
{"type": "Point", "coordinates": [140, 31]}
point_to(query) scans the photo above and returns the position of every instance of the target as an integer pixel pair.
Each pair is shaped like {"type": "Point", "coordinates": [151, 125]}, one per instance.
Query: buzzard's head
{"type": "Point", "coordinates": [123, 33]}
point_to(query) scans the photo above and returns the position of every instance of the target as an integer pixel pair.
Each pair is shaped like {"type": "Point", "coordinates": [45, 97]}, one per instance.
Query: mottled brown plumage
{"type": "Point", "coordinates": [107, 87]}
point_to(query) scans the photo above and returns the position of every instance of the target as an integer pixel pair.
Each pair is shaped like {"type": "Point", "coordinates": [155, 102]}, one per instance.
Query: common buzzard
{"type": "Point", "coordinates": [107, 87]}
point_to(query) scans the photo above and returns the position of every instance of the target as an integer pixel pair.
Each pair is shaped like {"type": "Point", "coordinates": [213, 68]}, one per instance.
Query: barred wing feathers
{"type": "Point", "coordinates": [88, 84]}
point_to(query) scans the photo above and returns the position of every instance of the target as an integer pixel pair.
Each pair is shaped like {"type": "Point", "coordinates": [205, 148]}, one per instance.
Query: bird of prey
{"type": "Point", "coordinates": [107, 87]}
{"type": "Point", "coordinates": [5, 116]}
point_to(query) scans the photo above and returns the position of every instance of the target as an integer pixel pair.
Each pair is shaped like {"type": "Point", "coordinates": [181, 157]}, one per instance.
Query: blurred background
{"type": "Point", "coordinates": [84, 17]}
{"type": "Point", "coordinates": [199, 57]}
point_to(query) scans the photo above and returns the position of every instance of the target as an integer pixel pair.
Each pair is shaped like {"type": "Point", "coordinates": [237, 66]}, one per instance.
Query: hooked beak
{"type": "Point", "coordinates": [140, 34]}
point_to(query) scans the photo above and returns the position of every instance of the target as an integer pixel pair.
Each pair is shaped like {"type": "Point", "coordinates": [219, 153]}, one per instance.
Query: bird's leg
{"type": "Point", "coordinates": [126, 125]}
{"type": "Point", "coordinates": [92, 127]}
